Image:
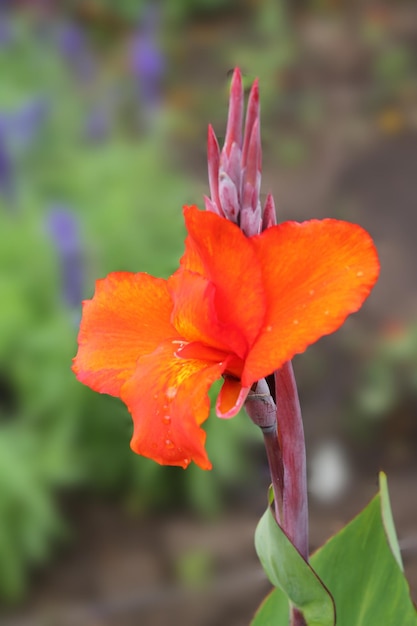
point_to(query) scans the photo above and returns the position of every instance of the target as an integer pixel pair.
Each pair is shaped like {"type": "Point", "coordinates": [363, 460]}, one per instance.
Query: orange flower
{"type": "Point", "coordinates": [238, 307]}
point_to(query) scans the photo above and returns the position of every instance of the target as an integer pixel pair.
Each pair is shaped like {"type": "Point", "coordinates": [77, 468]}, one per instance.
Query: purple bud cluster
{"type": "Point", "coordinates": [235, 171]}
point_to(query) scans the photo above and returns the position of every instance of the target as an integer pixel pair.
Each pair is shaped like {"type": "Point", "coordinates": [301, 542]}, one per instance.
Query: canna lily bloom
{"type": "Point", "coordinates": [237, 308]}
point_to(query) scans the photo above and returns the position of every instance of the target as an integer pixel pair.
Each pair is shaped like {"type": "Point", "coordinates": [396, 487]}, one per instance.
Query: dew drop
{"type": "Point", "coordinates": [166, 419]}
{"type": "Point", "coordinates": [186, 461]}
{"type": "Point", "coordinates": [171, 392]}
{"type": "Point", "coordinates": [169, 444]}
{"type": "Point", "coordinates": [359, 274]}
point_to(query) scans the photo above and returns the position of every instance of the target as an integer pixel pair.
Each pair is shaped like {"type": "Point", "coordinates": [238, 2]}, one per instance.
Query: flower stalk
{"type": "Point", "coordinates": [280, 421]}
{"type": "Point", "coordinates": [261, 408]}
{"type": "Point", "coordinates": [283, 433]}
{"type": "Point", "coordinates": [234, 179]}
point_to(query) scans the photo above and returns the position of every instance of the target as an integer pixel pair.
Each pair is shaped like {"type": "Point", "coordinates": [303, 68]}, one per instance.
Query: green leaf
{"type": "Point", "coordinates": [286, 569]}
{"type": "Point", "coordinates": [274, 610]}
{"type": "Point", "coordinates": [362, 567]}
{"type": "Point", "coordinates": [388, 520]}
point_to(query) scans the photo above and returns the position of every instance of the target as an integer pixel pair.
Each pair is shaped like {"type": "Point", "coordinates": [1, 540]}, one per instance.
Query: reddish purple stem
{"type": "Point", "coordinates": [283, 432]}
{"type": "Point", "coordinates": [291, 434]}
{"type": "Point", "coordinates": [297, 618]}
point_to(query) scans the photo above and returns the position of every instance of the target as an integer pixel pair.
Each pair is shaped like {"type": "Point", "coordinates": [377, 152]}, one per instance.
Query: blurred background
{"type": "Point", "coordinates": [104, 108]}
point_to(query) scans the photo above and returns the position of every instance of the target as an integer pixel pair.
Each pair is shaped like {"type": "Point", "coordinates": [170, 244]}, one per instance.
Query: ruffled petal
{"type": "Point", "coordinates": [218, 250]}
{"type": "Point", "coordinates": [315, 274]}
{"type": "Point", "coordinates": [194, 314]}
{"type": "Point", "coordinates": [127, 318]}
{"type": "Point", "coordinates": [167, 397]}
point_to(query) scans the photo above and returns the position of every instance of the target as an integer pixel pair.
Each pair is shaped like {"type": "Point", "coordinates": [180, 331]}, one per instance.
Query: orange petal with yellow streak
{"type": "Point", "coordinates": [167, 398]}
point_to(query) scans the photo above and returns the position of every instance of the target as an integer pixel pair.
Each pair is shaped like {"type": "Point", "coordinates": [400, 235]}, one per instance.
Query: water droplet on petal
{"type": "Point", "coordinates": [171, 392]}
{"type": "Point", "coordinates": [295, 322]}
{"type": "Point", "coordinates": [169, 444]}
{"type": "Point", "coordinates": [186, 461]}
{"type": "Point", "coordinates": [166, 419]}
{"type": "Point", "coordinates": [268, 329]}
{"type": "Point", "coordinates": [359, 274]}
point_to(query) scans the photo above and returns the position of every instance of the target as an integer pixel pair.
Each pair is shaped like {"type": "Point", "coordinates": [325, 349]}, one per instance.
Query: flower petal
{"type": "Point", "coordinates": [218, 250]}
{"type": "Point", "coordinates": [231, 397]}
{"type": "Point", "coordinates": [167, 397]}
{"type": "Point", "coordinates": [315, 274]}
{"type": "Point", "coordinates": [128, 317]}
{"type": "Point", "coordinates": [194, 312]}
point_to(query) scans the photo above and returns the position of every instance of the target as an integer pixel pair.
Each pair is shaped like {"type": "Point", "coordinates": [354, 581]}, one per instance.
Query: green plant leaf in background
{"type": "Point", "coordinates": [361, 566]}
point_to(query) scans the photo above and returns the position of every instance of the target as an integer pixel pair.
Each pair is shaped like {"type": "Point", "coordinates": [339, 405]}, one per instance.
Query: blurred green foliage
{"type": "Point", "coordinates": [388, 377]}
{"type": "Point", "coordinates": [125, 194]}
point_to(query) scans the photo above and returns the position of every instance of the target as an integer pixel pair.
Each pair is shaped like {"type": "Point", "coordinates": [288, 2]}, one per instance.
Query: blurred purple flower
{"type": "Point", "coordinates": [6, 31]}
{"type": "Point", "coordinates": [18, 129]}
{"type": "Point", "coordinates": [26, 122]}
{"type": "Point", "coordinates": [64, 230]}
{"type": "Point", "coordinates": [20, 126]}
{"type": "Point", "coordinates": [73, 46]}
{"type": "Point", "coordinates": [7, 176]}
{"type": "Point", "coordinates": [147, 63]}
{"type": "Point", "coordinates": [71, 41]}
